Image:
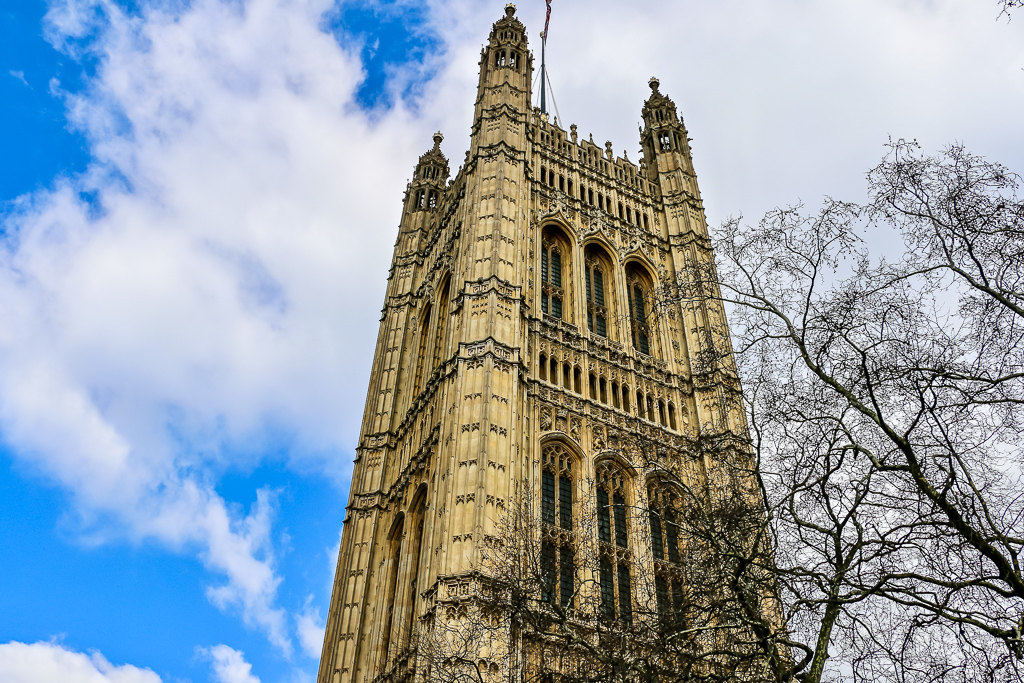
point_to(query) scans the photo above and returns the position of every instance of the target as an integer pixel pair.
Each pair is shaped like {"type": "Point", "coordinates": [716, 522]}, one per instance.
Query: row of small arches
{"type": "Point", "coordinates": [425, 199]}
{"type": "Point", "coordinates": [506, 59]}
{"type": "Point", "coordinates": [569, 377]}
{"type": "Point", "coordinates": [587, 195]}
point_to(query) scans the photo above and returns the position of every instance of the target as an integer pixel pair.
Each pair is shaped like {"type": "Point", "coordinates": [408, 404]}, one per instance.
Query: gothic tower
{"type": "Point", "coordinates": [522, 341]}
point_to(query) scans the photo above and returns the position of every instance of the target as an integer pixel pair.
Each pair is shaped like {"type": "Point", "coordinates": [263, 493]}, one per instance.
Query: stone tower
{"type": "Point", "coordinates": [520, 345]}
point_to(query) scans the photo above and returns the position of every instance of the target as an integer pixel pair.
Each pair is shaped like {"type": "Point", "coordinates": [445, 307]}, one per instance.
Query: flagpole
{"type": "Point", "coordinates": [543, 73]}
{"type": "Point", "coordinates": [543, 61]}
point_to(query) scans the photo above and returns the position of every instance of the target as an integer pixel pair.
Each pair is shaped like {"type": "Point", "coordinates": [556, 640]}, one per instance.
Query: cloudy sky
{"type": "Point", "coordinates": [198, 201]}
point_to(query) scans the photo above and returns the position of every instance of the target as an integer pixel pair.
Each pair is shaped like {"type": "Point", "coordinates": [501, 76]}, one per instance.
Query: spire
{"type": "Point", "coordinates": [658, 109]}
{"type": "Point", "coordinates": [430, 177]}
{"type": "Point", "coordinates": [543, 59]}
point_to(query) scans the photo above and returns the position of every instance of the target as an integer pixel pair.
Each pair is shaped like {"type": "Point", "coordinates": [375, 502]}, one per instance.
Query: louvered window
{"type": "Point", "coordinates": [552, 295]}
{"type": "Point", "coordinates": [597, 314]}
{"type": "Point", "coordinates": [638, 313]}
{"type": "Point", "coordinates": [614, 571]}
{"type": "Point", "coordinates": [558, 556]}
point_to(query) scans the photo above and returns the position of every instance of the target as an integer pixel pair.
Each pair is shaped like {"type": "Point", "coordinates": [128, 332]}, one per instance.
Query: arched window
{"type": "Point", "coordinates": [597, 314]}
{"type": "Point", "coordinates": [600, 306]}
{"type": "Point", "coordinates": [419, 508]}
{"type": "Point", "coordinates": [421, 356]}
{"type": "Point", "coordinates": [613, 543]}
{"type": "Point", "coordinates": [664, 515]}
{"type": "Point", "coordinates": [558, 556]}
{"type": "Point", "coordinates": [638, 288]}
{"type": "Point", "coordinates": [390, 593]}
{"type": "Point", "coordinates": [554, 273]}
{"type": "Point", "coordinates": [440, 339]}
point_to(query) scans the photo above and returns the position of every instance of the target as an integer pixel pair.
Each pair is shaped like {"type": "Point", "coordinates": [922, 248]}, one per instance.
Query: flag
{"type": "Point", "coordinates": [547, 18]}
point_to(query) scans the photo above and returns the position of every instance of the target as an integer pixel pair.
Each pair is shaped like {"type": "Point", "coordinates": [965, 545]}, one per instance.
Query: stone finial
{"type": "Point", "coordinates": [510, 10]}
{"type": "Point", "coordinates": [438, 137]}
{"type": "Point", "coordinates": [608, 151]}
{"type": "Point", "coordinates": [654, 83]}
{"type": "Point", "coordinates": [573, 133]}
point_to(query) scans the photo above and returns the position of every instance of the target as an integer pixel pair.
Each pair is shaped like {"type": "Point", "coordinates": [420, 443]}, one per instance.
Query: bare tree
{"type": "Point", "coordinates": [520, 617]}
{"type": "Point", "coordinates": [885, 401]}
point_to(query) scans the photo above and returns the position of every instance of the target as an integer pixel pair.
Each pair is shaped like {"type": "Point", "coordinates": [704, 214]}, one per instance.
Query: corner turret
{"type": "Point", "coordinates": [668, 162]}
{"type": "Point", "coordinates": [506, 73]}
{"type": "Point", "coordinates": [430, 178]}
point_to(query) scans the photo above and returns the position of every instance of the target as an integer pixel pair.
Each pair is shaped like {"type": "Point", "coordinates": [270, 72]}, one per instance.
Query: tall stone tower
{"type": "Point", "coordinates": [522, 341]}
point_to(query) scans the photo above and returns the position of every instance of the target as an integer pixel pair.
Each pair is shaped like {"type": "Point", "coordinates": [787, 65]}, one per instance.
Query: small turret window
{"type": "Point", "coordinates": [665, 141]}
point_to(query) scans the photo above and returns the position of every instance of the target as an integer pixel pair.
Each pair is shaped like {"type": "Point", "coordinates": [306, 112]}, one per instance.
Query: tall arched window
{"type": "Point", "coordinates": [419, 509]}
{"type": "Point", "coordinates": [421, 355]}
{"type": "Point", "coordinates": [555, 273]}
{"type": "Point", "coordinates": [440, 341]}
{"type": "Point", "coordinates": [558, 556]}
{"type": "Point", "coordinates": [390, 593]}
{"type": "Point", "coordinates": [639, 289]}
{"type": "Point", "coordinates": [664, 516]}
{"type": "Point", "coordinates": [600, 308]}
{"type": "Point", "coordinates": [613, 543]}
{"type": "Point", "coordinates": [597, 315]}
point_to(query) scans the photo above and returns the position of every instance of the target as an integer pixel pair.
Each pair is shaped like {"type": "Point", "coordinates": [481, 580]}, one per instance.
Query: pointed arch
{"type": "Point", "coordinates": [640, 293]}
{"type": "Point", "coordinates": [599, 289]}
{"type": "Point", "coordinates": [555, 270]}
{"type": "Point", "coordinates": [560, 476]}
{"type": "Point", "coordinates": [665, 514]}
{"type": "Point", "coordinates": [394, 547]}
{"type": "Point", "coordinates": [613, 495]}
{"type": "Point", "coordinates": [442, 315]}
{"type": "Point", "coordinates": [417, 512]}
{"type": "Point", "coordinates": [421, 354]}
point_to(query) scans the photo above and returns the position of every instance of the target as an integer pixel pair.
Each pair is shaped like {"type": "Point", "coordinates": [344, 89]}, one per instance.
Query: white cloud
{"type": "Point", "coordinates": [310, 629]}
{"type": "Point", "coordinates": [195, 291]}
{"type": "Point", "coordinates": [229, 665]}
{"type": "Point", "coordinates": [51, 663]}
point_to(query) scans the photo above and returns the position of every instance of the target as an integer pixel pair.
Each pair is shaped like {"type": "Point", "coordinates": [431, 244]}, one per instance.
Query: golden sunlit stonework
{"type": "Point", "coordinates": [523, 343]}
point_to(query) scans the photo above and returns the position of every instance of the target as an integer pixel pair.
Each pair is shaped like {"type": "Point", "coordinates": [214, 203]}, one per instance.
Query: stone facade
{"type": "Point", "coordinates": [522, 324]}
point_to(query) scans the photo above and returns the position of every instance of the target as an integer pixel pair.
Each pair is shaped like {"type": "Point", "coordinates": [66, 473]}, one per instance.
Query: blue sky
{"type": "Point", "coordinates": [197, 206]}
